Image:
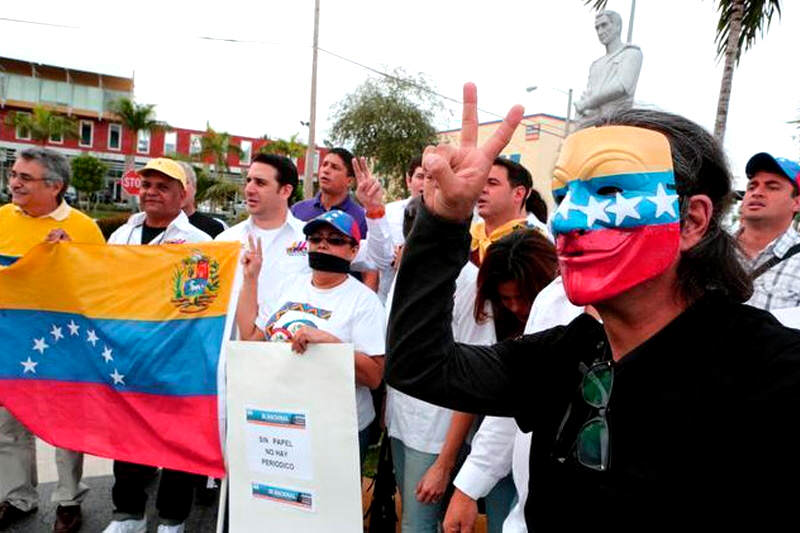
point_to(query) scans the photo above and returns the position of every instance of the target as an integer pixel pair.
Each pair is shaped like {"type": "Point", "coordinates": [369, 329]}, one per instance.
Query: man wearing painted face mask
{"type": "Point", "coordinates": [680, 407]}
{"type": "Point", "coordinates": [327, 305]}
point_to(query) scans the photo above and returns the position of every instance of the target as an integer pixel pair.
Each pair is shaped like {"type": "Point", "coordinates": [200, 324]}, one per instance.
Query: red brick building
{"type": "Point", "coordinates": [87, 97]}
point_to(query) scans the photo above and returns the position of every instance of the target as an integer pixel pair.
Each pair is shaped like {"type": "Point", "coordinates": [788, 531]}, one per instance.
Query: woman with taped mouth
{"type": "Point", "coordinates": [326, 306]}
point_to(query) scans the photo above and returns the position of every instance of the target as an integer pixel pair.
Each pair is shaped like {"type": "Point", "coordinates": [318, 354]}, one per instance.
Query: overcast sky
{"type": "Point", "coordinates": [262, 86]}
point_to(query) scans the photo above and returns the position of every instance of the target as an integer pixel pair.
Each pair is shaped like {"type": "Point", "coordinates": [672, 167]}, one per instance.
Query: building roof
{"type": "Point", "coordinates": [58, 73]}
{"type": "Point", "coordinates": [526, 117]}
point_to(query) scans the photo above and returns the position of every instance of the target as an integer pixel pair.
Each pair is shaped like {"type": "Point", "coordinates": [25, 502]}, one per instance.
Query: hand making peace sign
{"type": "Point", "coordinates": [459, 174]}
{"type": "Point", "coordinates": [368, 189]}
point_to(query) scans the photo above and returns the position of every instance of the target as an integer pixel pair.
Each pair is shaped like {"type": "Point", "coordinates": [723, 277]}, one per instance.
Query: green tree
{"type": "Point", "coordinates": [291, 148]}
{"type": "Point", "coordinates": [136, 117]}
{"type": "Point", "coordinates": [220, 193]}
{"type": "Point", "coordinates": [390, 119]}
{"type": "Point", "coordinates": [216, 146]}
{"type": "Point", "coordinates": [43, 124]}
{"type": "Point", "coordinates": [740, 23]}
{"type": "Point", "coordinates": [87, 174]}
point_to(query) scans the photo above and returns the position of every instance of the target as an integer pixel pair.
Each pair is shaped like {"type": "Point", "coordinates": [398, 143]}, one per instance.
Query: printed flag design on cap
{"type": "Point", "coordinates": [113, 350]}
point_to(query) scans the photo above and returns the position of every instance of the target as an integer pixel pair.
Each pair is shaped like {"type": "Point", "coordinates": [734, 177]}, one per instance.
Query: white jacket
{"type": "Point", "coordinates": [178, 231]}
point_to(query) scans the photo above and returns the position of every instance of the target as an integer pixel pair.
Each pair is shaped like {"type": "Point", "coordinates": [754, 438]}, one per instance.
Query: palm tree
{"type": "Point", "coordinates": [44, 124]}
{"type": "Point", "coordinates": [136, 118]}
{"type": "Point", "coordinates": [291, 148]}
{"type": "Point", "coordinates": [740, 23]}
{"type": "Point", "coordinates": [216, 146]}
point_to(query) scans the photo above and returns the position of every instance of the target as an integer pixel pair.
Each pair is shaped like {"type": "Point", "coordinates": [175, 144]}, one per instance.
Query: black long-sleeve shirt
{"type": "Point", "coordinates": [701, 417]}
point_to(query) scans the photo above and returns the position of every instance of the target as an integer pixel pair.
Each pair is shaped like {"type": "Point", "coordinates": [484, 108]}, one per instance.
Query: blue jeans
{"type": "Point", "coordinates": [499, 502]}
{"type": "Point", "coordinates": [409, 467]}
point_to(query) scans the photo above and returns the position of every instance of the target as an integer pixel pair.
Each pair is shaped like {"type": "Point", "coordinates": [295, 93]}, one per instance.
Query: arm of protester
{"type": "Point", "coordinates": [490, 457]}
{"type": "Point", "coordinates": [370, 279]}
{"type": "Point", "coordinates": [247, 308]}
{"type": "Point", "coordinates": [423, 359]}
{"type": "Point", "coordinates": [433, 484]}
{"type": "Point", "coordinates": [369, 369]}
{"type": "Point", "coordinates": [307, 334]}
{"type": "Point", "coordinates": [462, 512]}
{"type": "Point", "coordinates": [376, 252]}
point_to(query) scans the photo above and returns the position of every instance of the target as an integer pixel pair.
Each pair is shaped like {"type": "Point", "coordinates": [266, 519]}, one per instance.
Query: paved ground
{"type": "Point", "coordinates": [97, 506]}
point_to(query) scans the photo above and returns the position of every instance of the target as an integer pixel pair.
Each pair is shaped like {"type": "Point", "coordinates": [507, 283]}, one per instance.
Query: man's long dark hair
{"type": "Point", "coordinates": [700, 168]}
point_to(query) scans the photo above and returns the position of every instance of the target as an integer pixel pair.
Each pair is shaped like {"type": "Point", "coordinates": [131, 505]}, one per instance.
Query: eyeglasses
{"type": "Point", "coordinates": [24, 178]}
{"type": "Point", "coordinates": [591, 445]}
{"type": "Point", "coordinates": [333, 240]}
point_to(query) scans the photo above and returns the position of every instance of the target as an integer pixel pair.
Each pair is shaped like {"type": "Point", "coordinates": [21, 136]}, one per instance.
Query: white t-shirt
{"type": "Point", "coordinates": [350, 311]}
{"type": "Point", "coordinates": [420, 425]}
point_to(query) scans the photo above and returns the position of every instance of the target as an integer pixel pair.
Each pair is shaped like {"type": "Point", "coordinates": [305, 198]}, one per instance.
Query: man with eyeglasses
{"type": "Point", "coordinates": [38, 212]}
{"type": "Point", "coordinates": [678, 410]}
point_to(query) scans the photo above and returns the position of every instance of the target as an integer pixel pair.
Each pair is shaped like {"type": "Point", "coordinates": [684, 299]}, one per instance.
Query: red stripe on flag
{"type": "Point", "coordinates": [177, 432]}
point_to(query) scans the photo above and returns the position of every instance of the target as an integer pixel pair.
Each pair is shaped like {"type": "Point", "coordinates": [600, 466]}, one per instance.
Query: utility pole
{"type": "Point", "coordinates": [630, 21]}
{"type": "Point", "coordinates": [569, 113]}
{"type": "Point", "coordinates": [308, 179]}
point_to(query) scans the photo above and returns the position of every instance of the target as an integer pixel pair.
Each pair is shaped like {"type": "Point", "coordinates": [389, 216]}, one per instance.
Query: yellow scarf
{"type": "Point", "coordinates": [481, 241]}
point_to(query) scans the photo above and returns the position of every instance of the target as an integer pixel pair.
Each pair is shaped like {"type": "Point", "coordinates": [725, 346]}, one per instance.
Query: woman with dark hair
{"type": "Point", "coordinates": [513, 272]}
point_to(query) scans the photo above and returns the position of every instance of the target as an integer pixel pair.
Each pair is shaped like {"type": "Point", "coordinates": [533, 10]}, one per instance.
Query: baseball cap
{"type": "Point", "coordinates": [168, 167]}
{"type": "Point", "coordinates": [339, 220]}
{"type": "Point", "coordinates": [777, 165]}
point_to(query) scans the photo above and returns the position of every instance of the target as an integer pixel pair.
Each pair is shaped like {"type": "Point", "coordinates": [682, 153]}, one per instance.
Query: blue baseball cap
{"type": "Point", "coordinates": [777, 165]}
{"type": "Point", "coordinates": [339, 220]}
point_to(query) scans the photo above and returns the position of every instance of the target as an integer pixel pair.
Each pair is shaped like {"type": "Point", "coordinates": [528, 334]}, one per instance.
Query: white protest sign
{"type": "Point", "coordinates": [292, 443]}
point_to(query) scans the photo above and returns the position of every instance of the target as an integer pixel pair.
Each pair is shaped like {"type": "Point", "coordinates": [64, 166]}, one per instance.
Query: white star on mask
{"type": "Point", "coordinates": [665, 203]}
{"type": "Point", "coordinates": [624, 207]}
{"type": "Point", "coordinates": [107, 354]}
{"type": "Point", "coordinates": [117, 377]}
{"type": "Point", "coordinates": [595, 211]}
{"type": "Point", "coordinates": [92, 337]}
{"type": "Point", "coordinates": [73, 327]}
{"type": "Point", "coordinates": [565, 206]}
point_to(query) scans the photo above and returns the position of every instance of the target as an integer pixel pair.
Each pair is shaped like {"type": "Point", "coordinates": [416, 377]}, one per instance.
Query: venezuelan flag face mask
{"type": "Point", "coordinates": [618, 221]}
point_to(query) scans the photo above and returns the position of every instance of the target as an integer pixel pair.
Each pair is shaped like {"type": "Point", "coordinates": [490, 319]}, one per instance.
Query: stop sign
{"type": "Point", "coordinates": [130, 181]}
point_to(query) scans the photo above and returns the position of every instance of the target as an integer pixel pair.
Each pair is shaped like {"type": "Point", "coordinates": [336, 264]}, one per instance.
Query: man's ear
{"type": "Point", "coordinates": [699, 211]}
{"type": "Point", "coordinates": [796, 203]}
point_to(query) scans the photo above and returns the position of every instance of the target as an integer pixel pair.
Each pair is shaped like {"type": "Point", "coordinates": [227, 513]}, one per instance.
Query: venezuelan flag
{"type": "Point", "coordinates": [113, 350]}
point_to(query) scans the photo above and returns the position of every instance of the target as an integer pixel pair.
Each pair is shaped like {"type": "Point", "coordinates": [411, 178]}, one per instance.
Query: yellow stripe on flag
{"type": "Point", "coordinates": [167, 282]}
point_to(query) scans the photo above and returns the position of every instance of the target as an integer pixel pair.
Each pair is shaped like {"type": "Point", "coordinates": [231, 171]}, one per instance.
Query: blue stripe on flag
{"type": "Point", "coordinates": [176, 357]}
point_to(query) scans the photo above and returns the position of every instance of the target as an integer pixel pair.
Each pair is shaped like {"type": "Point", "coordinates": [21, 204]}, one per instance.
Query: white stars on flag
{"type": "Point", "coordinates": [107, 354]}
{"type": "Point", "coordinates": [665, 203]}
{"type": "Point", "coordinates": [565, 206]}
{"type": "Point", "coordinates": [117, 377]}
{"type": "Point", "coordinates": [92, 337]}
{"type": "Point", "coordinates": [73, 328]}
{"type": "Point", "coordinates": [56, 333]}
{"type": "Point", "coordinates": [595, 211]}
{"type": "Point", "coordinates": [29, 366]}
{"type": "Point", "coordinates": [40, 346]}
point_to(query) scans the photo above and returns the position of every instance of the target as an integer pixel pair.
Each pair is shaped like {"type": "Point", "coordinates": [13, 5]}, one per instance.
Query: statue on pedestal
{"type": "Point", "coordinates": [613, 77]}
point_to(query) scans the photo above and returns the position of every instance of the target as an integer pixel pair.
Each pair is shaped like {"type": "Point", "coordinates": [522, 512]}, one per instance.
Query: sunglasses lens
{"type": "Point", "coordinates": [596, 386]}
{"type": "Point", "coordinates": [592, 445]}
{"type": "Point", "coordinates": [313, 239]}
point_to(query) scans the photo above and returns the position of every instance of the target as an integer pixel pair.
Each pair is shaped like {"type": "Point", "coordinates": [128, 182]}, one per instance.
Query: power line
{"type": "Point", "coordinates": [333, 54]}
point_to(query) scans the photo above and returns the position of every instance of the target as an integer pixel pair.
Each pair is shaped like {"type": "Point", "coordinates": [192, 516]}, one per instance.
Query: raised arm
{"type": "Point", "coordinates": [377, 252]}
{"type": "Point", "coordinates": [423, 359]}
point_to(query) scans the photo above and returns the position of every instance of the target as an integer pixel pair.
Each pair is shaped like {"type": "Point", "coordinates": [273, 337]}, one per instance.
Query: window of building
{"type": "Point", "coordinates": [195, 145]}
{"type": "Point", "coordinates": [86, 133]}
{"type": "Point", "coordinates": [247, 152]}
{"type": "Point", "coordinates": [114, 136]}
{"type": "Point", "coordinates": [23, 133]}
{"type": "Point", "coordinates": [532, 132]}
{"type": "Point", "coordinates": [170, 142]}
{"type": "Point", "coordinates": [57, 138]}
{"type": "Point", "coordinates": [143, 142]}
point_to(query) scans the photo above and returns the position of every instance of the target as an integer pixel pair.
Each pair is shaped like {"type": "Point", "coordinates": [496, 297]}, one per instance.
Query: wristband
{"type": "Point", "coordinates": [376, 212]}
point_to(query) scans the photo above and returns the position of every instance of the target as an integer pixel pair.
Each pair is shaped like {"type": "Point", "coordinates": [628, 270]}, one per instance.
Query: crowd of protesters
{"type": "Point", "coordinates": [480, 409]}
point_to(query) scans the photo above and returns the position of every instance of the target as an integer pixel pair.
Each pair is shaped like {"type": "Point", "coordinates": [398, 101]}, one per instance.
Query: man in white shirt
{"type": "Point", "coordinates": [395, 211]}
{"type": "Point", "coordinates": [161, 221]}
